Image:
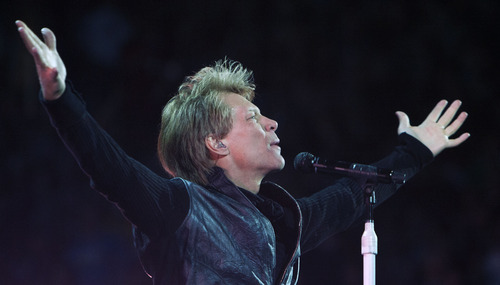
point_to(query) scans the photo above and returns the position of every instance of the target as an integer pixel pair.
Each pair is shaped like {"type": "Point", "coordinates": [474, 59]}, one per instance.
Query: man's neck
{"type": "Point", "coordinates": [244, 180]}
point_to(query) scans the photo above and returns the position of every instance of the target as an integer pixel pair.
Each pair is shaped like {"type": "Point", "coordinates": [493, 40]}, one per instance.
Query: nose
{"type": "Point", "coordinates": [270, 124]}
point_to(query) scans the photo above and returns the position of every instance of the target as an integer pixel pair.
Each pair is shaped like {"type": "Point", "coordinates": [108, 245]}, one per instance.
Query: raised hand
{"type": "Point", "coordinates": [49, 65]}
{"type": "Point", "coordinates": [435, 131]}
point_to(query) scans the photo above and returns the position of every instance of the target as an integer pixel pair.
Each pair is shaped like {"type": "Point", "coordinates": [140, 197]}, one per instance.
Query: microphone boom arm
{"type": "Point", "coordinates": [371, 173]}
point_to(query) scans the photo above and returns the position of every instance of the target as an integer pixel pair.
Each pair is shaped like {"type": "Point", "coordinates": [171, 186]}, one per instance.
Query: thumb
{"type": "Point", "coordinates": [404, 122]}
{"type": "Point", "coordinates": [49, 38]}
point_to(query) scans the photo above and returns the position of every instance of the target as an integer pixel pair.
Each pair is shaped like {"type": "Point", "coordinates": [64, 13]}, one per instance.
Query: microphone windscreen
{"type": "Point", "coordinates": [303, 162]}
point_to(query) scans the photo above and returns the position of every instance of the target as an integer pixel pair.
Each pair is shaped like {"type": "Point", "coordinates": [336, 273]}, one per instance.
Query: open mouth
{"type": "Point", "coordinates": [275, 143]}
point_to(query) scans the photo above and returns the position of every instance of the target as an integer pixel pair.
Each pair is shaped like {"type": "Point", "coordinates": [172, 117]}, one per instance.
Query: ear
{"type": "Point", "coordinates": [215, 146]}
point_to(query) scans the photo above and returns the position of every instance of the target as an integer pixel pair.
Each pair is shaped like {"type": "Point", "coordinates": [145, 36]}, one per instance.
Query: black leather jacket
{"type": "Point", "coordinates": [224, 239]}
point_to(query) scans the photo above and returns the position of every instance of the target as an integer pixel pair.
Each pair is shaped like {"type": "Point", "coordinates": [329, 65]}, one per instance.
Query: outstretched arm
{"type": "Point", "coordinates": [435, 131]}
{"type": "Point", "coordinates": [49, 65]}
{"type": "Point", "coordinates": [135, 189]}
{"type": "Point", "coordinates": [338, 206]}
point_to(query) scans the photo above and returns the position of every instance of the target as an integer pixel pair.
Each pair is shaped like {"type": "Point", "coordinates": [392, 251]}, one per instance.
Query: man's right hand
{"type": "Point", "coordinates": [49, 65]}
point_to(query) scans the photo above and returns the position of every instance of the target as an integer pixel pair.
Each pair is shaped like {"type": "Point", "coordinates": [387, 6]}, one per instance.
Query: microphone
{"type": "Point", "coordinates": [307, 163]}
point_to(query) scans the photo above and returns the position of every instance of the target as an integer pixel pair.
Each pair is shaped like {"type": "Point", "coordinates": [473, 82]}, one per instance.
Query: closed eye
{"type": "Point", "coordinates": [254, 114]}
{"type": "Point", "coordinates": [252, 117]}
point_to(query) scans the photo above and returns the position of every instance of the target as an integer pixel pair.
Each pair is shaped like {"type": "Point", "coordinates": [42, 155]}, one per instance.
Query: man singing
{"type": "Point", "coordinates": [215, 221]}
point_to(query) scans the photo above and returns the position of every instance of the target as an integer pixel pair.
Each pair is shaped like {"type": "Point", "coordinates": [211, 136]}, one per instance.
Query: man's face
{"type": "Point", "coordinates": [252, 142]}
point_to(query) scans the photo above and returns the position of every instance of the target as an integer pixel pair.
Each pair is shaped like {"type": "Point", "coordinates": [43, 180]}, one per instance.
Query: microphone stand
{"type": "Point", "coordinates": [368, 176]}
{"type": "Point", "coordinates": [369, 241]}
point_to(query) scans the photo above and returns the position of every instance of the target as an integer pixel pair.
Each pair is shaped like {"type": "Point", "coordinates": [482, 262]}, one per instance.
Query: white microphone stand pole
{"type": "Point", "coordinates": [369, 241]}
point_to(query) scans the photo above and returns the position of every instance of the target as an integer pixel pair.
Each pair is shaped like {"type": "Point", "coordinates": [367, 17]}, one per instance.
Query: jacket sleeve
{"type": "Point", "coordinates": [338, 206]}
{"type": "Point", "coordinates": [144, 197]}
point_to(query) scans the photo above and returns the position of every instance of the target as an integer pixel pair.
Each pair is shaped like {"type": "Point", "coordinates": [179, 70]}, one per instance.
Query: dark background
{"type": "Point", "coordinates": [331, 73]}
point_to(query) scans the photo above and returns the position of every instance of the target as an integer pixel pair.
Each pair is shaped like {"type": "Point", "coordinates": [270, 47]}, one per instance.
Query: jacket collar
{"type": "Point", "coordinates": [219, 182]}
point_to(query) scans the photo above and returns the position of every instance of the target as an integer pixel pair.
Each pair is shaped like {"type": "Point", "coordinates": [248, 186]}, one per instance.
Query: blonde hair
{"type": "Point", "coordinates": [196, 112]}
